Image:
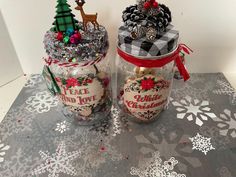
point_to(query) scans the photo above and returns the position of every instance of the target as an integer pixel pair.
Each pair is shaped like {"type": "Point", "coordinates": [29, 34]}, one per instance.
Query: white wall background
{"type": "Point", "coordinates": [208, 26]}
{"type": "Point", "coordinates": [8, 57]}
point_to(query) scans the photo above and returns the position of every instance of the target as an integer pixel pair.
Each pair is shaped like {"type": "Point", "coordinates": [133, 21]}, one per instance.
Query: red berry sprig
{"type": "Point", "coordinates": [151, 3]}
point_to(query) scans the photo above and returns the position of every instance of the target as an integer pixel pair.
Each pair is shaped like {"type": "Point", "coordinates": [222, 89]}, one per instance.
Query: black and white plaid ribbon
{"type": "Point", "coordinates": [165, 43]}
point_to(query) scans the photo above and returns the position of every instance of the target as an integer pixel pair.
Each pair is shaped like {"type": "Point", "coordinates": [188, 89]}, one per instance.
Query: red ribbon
{"type": "Point", "coordinates": [50, 61]}
{"type": "Point", "coordinates": [150, 63]}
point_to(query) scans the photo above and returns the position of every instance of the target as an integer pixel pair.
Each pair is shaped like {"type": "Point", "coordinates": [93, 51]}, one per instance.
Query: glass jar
{"type": "Point", "coordinates": [145, 68]}
{"type": "Point", "coordinates": [84, 89]}
{"type": "Point", "coordinates": [143, 92]}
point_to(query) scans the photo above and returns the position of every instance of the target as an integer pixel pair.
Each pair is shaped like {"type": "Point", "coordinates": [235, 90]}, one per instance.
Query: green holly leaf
{"type": "Point", "coordinates": [80, 79]}
{"type": "Point", "coordinates": [63, 81]}
{"type": "Point", "coordinates": [182, 54]}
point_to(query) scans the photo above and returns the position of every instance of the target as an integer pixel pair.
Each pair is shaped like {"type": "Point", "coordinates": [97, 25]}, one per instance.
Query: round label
{"type": "Point", "coordinates": [83, 93]}
{"type": "Point", "coordinates": [145, 97]}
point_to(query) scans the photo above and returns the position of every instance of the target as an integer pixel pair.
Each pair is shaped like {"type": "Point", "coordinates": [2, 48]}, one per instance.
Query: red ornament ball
{"type": "Point", "coordinates": [73, 40]}
{"type": "Point", "coordinates": [77, 36]}
{"type": "Point", "coordinates": [155, 4]}
{"type": "Point", "coordinates": [60, 36]}
{"type": "Point", "coordinates": [146, 5]}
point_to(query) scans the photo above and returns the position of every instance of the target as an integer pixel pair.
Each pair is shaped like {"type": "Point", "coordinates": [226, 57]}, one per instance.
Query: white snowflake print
{"type": "Point", "coordinates": [59, 162]}
{"type": "Point", "coordinates": [116, 121]}
{"type": "Point", "coordinates": [202, 143]}
{"type": "Point", "coordinates": [226, 122]}
{"type": "Point", "coordinates": [33, 80]}
{"type": "Point", "coordinates": [3, 149]}
{"type": "Point", "coordinates": [41, 102]}
{"type": "Point", "coordinates": [193, 109]}
{"type": "Point", "coordinates": [198, 93]}
{"type": "Point", "coordinates": [155, 167]}
{"type": "Point", "coordinates": [226, 89]}
{"type": "Point", "coordinates": [218, 141]}
{"type": "Point", "coordinates": [18, 165]}
{"type": "Point", "coordinates": [97, 150]}
{"type": "Point", "coordinates": [166, 141]}
{"type": "Point", "coordinates": [63, 126]}
{"type": "Point", "coordinates": [17, 120]}
{"type": "Point", "coordinates": [224, 172]}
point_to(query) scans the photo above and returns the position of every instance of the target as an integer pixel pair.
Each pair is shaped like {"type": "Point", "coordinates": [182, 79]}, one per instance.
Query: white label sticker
{"type": "Point", "coordinates": [81, 93]}
{"type": "Point", "coordinates": [146, 97]}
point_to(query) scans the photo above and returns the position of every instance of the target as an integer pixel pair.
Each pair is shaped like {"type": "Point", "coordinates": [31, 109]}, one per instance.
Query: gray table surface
{"type": "Point", "coordinates": [195, 137]}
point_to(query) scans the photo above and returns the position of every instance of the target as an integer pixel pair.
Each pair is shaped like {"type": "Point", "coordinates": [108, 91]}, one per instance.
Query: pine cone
{"type": "Point", "coordinates": [162, 19]}
{"type": "Point", "coordinates": [132, 16]}
{"type": "Point", "coordinates": [166, 13]}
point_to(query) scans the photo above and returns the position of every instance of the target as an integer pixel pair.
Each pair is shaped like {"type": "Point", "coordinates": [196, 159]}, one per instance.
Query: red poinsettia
{"type": "Point", "coordinates": [71, 82]}
{"type": "Point", "coordinates": [147, 84]}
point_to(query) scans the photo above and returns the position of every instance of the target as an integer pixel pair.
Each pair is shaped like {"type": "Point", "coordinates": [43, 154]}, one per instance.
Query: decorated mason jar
{"type": "Point", "coordinates": [148, 53]}
{"type": "Point", "coordinates": [77, 70]}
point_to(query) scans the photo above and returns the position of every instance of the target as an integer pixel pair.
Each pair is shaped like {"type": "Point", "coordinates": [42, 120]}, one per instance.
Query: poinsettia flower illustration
{"type": "Point", "coordinates": [147, 84]}
{"type": "Point", "coordinates": [71, 82]}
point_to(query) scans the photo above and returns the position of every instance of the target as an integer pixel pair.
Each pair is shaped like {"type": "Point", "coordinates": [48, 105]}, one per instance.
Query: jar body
{"type": "Point", "coordinates": [85, 91]}
{"type": "Point", "coordinates": [143, 93]}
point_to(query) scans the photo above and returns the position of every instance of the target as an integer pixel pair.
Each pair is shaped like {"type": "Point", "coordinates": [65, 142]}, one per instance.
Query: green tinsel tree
{"type": "Point", "coordinates": [64, 18]}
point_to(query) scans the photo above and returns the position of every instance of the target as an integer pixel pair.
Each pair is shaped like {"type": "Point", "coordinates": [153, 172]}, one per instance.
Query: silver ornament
{"type": "Point", "coordinates": [138, 31]}
{"type": "Point", "coordinates": [151, 34]}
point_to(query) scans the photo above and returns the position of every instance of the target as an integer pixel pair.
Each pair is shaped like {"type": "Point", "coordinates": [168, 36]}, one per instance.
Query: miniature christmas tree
{"type": "Point", "coordinates": [64, 18]}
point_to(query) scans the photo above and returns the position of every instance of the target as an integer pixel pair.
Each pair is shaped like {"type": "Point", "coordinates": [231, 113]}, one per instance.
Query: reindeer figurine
{"type": "Point", "coordinates": [87, 18]}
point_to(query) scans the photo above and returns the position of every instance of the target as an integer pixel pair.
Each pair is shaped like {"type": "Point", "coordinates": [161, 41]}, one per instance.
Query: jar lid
{"type": "Point", "coordinates": [93, 44]}
{"type": "Point", "coordinates": [164, 44]}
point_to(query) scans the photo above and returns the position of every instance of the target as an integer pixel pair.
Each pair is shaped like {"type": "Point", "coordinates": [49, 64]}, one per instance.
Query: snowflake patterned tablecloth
{"type": "Point", "coordinates": [195, 137]}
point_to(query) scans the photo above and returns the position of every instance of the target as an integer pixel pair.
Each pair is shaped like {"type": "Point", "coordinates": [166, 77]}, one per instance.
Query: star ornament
{"type": "Point", "coordinates": [201, 143]}
{"type": "Point", "coordinates": [59, 162]}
